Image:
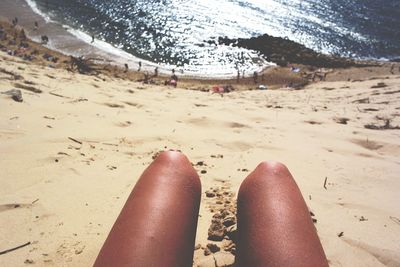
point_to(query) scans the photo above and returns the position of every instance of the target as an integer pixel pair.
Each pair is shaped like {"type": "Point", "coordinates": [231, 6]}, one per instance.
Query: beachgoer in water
{"type": "Point", "coordinates": [140, 66]}
{"type": "Point", "coordinates": [274, 226]}
{"type": "Point", "coordinates": [238, 76]}
{"type": "Point", "coordinates": [156, 72]}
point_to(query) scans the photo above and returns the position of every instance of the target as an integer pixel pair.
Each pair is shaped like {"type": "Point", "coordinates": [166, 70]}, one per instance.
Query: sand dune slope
{"type": "Point", "coordinates": [70, 155]}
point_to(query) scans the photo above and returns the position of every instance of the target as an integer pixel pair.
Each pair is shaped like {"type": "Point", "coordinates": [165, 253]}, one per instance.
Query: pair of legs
{"type": "Point", "coordinates": [157, 225]}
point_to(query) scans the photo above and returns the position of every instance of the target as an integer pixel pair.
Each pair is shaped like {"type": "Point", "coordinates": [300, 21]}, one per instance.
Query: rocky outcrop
{"type": "Point", "coordinates": [284, 51]}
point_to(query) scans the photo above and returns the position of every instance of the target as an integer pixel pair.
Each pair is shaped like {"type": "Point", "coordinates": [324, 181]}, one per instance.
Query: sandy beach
{"type": "Point", "coordinates": [72, 150]}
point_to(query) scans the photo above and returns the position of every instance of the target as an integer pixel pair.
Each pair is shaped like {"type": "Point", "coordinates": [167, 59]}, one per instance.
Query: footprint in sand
{"type": "Point", "coordinates": [113, 105]}
{"type": "Point", "coordinates": [313, 122]}
{"type": "Point", "coordinates": [202, 121]}
{"type": "Point", "coordinates": [236, 125]}
{"type": "Point", "coordinates": [124, 124]}
{"type": "Point", "coordinates": [6, 207]}
{"type": "Point", "coordinates": [133, 104]}
{"type": "Point", "coordinates": [385, 256]}
{"type": "Point", "coordinates": [368, 144]}
{"type": "Point", "coordinates": [10, 134]}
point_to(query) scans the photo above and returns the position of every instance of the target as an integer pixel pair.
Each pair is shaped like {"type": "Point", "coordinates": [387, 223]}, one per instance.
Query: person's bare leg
{"type": "Point", "coordinates": [274, 224]}
{"type": "Point", "coordinates": [157, 225]}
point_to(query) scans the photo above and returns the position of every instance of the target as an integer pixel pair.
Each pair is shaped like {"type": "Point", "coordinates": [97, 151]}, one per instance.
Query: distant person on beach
{"type": "Point", "coordinates": [15, 21]}
{"type": "Point", "coordinates": [140, 66]}
{"type": "Point", "coordinates": [126, 67]}
{"type": "Point", "coordinates": [92, 39]}
{"type": "Point", "coordinates": [146, 78]}
{"type": "Point", "coordinates": [45, 39]}
{"type": "Point", "coordinates": [156, 72]}
{"type": "Point", "coordinates": [36, 26]}
{"type": "Point", "coordinates": [173, 81]}
{"type": "Point", "coordinates": [255, 77]}
{"type": "Point", "coordinates": [238, 76]}
{"type": "Point", "coordinates": [2, 33]}
{"type": "Point", "coordinates": [174, 77]}
{"type": "Point", "coordinates": [157, 225]}
{"type": "Point", "coordinates": [22, 34]}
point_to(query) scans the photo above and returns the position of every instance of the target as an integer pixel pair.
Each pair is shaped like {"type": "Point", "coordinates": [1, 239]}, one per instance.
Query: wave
{"type": "Point", "coordinates": [32, 4]}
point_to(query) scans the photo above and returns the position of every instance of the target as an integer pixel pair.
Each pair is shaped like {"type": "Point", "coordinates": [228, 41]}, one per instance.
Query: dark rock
{"type": "Point", "coordinates": [217, 216]}
{"type": "Point", "coordinates": [231, 232]}
{"type": "Point", "coordinates": [225, 213]}
{"type": "Point", "coordinates": [213, 247]}
{"type": "Point", "coordinates": [216, 231]}
{"type": "Point", "coordinates": [229, 220]}
{"type": "Point", "coordinates": [283, 51]}
{"type": "Point", "coordinates": [379, 85]}
{"type": "Point", "coordinates": [15, 94]}
{"type": "Point", "coordinates": [210, 194]}
{"type": "Point", "coordinates": [207, 251]}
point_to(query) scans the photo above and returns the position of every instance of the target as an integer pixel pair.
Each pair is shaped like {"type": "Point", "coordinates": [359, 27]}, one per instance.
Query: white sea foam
{"type": "Point", "coordinates": [104, 46]}
{"type": "Point", "coordinates": [35, 9]}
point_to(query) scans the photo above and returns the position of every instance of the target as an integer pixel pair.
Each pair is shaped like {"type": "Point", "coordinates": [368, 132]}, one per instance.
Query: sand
{"type": "Point", "coordinates": [70, 155]}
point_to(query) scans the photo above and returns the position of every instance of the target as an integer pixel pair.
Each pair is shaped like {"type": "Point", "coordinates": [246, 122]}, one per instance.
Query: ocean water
{"type": "Point", "coordinates": [181, 32]}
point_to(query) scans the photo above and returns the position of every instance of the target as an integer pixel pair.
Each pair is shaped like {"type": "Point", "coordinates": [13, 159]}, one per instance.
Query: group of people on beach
{"type": "Point", "coordinates": [14, 42]}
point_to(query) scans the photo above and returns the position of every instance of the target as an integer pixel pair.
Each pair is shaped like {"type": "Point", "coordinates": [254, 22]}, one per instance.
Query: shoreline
{"type": "Point", "coordinates": [67, 43]}
{"type": "Point", "coordinates": [74, 42]}
{"type": "Point", "coordinates": [294, 76]}
{"type": "Point", "coordinates": [64, 42]}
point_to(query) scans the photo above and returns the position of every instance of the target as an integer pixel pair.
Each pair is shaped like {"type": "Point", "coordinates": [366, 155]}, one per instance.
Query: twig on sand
{"type": "Point", "coordinates": [387, 126]}
{"type": "Point", "coordinates": [109, 144]}
{"type": "Point", "coordinates": [59, 95]}
{"type": "Point", "coordinates": [394, 219]}
{"type": "Point", "coordinates": [326, 179]}
{"type": "Point", "coordinates": [76, 141]}
{"type": "Point", "coordinates": [12, 249]}
{"type": "Point", "coordinates": [36, 200]}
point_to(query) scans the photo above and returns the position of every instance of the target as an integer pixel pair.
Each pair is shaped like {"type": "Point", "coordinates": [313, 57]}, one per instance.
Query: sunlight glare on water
{"type": "Point", "coordinates": [183, 32]}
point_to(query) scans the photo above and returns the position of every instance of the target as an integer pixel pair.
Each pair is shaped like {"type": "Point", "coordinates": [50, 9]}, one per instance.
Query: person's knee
{"type": "Point", "coordinates": [178, 163]}
{"type": "Point", "coordinates": [273, 167]}
{"type": "Point", "coordinates": [173, 157]}
{"type": "Point", "coordinates": [264, 173]}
